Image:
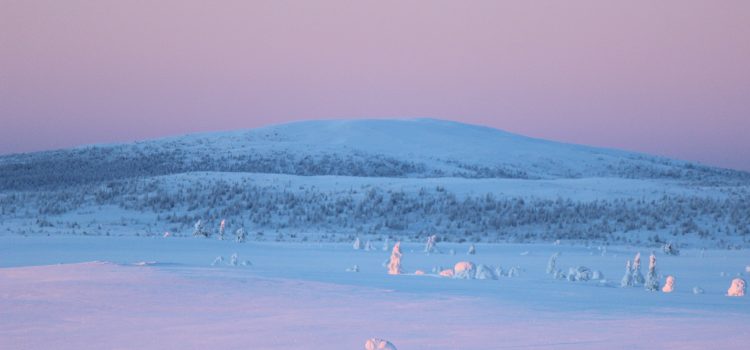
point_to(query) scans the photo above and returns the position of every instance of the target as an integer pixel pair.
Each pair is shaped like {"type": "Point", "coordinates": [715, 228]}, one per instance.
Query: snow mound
{"type": "Point", "coordinates": [579, 274]}
{"type": "Point", "coordinates": [737, 289]}
{"type": "Point", "coordinates": [464, 270]}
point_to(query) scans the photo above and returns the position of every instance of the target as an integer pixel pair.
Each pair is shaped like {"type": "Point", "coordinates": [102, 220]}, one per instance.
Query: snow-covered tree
{"type": "Point", "coordinates": [394, 265]}
{"type": "Point", "coordinates": [552, 263]}
{"type": "Point", "coordinates": [484, 272]}
{"type": "Point", "coordinates": [199, 229]}
{"type": "Point", "coordinates": [234, 259]}
{"type": "Point", "coordinates": [222, 226]}
{"type": "Point", "coordinates": [357, 245]}
{"type": "Point", "coordinates": [580, 273]}
{"type": "Point", "coordinates": [668, 285]}
{"type": "Point", "coordinates": [386, 244]}
{"type": "Point", "coordinates": [430, 247]}
{"type": "Point", "coordinates": [240, 235]}
{"type": "Point", "coordinates": [464, 269]}
{"type": "Point", "coordinates": [379, 344]}
{"type": "Point", "coordinates": [652, 281]}
{"type": "Point", "coordinates": [368, 246]}
{"type": "Point", "coordinates": [737, 288]}
{"type": "Point", "coordinates": [627, 280]}
{"type": "Point", "coordinates": [472, 250]}
{"type": "Point", "coordinates": [637, 275]}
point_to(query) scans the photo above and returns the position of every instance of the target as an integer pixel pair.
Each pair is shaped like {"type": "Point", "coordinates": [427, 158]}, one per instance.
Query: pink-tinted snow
{"type": "Point", "coordinates": [109, 306]}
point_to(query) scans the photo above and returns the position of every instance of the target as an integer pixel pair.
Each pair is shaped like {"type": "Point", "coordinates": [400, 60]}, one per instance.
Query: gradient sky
{"type": "Point", "coordinates": [663, 77]}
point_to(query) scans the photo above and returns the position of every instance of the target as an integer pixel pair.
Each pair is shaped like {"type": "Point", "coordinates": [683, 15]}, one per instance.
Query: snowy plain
{"type": "Point", "coordinates": [83, 264]}
{"type": "Point", "coordinates": [159, 293]}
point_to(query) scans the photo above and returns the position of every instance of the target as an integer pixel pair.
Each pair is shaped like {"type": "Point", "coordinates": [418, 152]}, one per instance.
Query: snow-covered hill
{"type": "Point", "coordinates": [408, 178]}
{"type": "Point", "coordinates": [365, 148]}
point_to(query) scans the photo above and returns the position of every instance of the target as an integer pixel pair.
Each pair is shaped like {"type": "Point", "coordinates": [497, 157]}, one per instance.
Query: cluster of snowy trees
{"type": "Point", "coordinates": [407, 214]}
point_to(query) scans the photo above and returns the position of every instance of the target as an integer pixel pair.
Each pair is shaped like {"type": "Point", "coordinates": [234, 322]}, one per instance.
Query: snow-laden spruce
{"type": "Point", "coordinates": [240, 236]}
{"type": "Point", "coordinates": [737, 288]}
{"type": "Point", "coordinates": [357, 245]}
{"type": "Point", "coordinates": [430, 247]}
{"type": "Point", "coordinates": [627, 280]}
{"type": "Point", "coordinates": [652, 280]}
{"type": "Point", "coordinates": [368, 246]}
{"type": "Point", "coordinates": [386, 244]}
{"type": "Point", "coordinates": [379, 344]}
{"type": "Point", "coordinates": [637, 275]}
{"type": "Point", "coordinates": [552, 263]}
{"type": "Point", "coordinates": [472, 250]}
{"type": "Point", "coordinates": [222, 226]}
{"type": "Point", "coordinates": [394, 264]}
{"type": "Point", "coordinates": [200, 230]}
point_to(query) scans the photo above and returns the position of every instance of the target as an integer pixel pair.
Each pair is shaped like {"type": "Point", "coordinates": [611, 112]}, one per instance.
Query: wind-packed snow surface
{"type": "Point", "coordinates": [162, 293]}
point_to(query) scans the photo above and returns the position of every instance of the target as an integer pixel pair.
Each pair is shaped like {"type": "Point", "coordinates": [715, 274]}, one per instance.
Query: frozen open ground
{"type": "Point", "coordinates": [96, 293]}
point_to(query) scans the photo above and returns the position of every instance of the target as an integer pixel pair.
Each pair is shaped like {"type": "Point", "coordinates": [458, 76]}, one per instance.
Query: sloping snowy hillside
{"type": "Point", "coordinates": [331, 180]}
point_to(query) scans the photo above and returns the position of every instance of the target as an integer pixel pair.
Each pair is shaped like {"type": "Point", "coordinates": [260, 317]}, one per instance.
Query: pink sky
{"type": "Point", "coordinates": [663, 77]}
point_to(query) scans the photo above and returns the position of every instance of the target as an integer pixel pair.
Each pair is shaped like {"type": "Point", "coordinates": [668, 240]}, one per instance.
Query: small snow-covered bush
{"type": "Point", "coordinates": [464, 269]}
{"type": "Point", "coordinates": [472, 250]}
{"type": "Point", "coordinates": [354, 268]}
{"type": "Point", "coordinates": [698, 290]}
{"type": "Point", "coordinates": [368, 246]}
{"type": "Point", "coordinates": [737, 288]}
{"type": "Point", "coordinates": [580, 273]}
{"type": "Point", "coordinates": [597, 275]}
{"type": "Point", "coordinates": [379, 344]}
{"type": "Point", "coordinates": [233, 260]}
{"type": "Point", "coordinates": [484, 272]}
{"type": "Point", "coordinates": [668, 285]}
{"type": "Point", "coordinates": [218, 261]}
